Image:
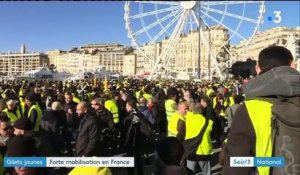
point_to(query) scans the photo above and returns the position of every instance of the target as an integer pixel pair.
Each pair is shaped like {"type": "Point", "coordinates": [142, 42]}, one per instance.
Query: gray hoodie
{"type": "Point", "coordinates": [281, 81]}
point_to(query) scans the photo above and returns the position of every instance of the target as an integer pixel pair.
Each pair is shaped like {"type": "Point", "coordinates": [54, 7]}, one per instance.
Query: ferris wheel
{"type": "Point", "coordinates": [149, 22]}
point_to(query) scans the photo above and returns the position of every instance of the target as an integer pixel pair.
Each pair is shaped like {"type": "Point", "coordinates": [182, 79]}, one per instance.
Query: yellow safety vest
{"type": "Point", "coordinates": [22, 104]}
{"type": "Point", "coordinates": [231, 101]}
{"type": "Point", "coordinates": [12, 116]}
{"type": "Point", "coordinates": [138, 94]}
{"type": "Point", "coordinates": [90, 171]}
{"type": "Point", "coordinates": [147, 96]}
{"type": "Point", "coordinates": [90, 96]}
{"type": "Point", "coordinates": [113, 108]}
{"type": "Point", "coordinates": [39, 116]}
{"type": "Point", "coordinates": [3, 94]}
{"type": "Point", "coordinates": [194, 124]}
{"type": "Point", "coordinates": [172, 124]}
{"type": "Point", "coordinates": [208, 92]}
{"type": "Point", "coordinates": [76, 100]}
{"type": "Point", "coordinates": [20, 92]}
{"type": "Point", "coordinates": [222, 112]}
{"type": "Point", "coordinates": [260, 116]}
{"type": "Point", "coordinates": [169, 108]}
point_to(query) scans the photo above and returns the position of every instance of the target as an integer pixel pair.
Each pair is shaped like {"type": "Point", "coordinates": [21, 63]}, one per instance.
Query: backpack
{"type": "Point", "coordinates": [285, 134]}
{"type": "Point", "coordinates": [146, 128]}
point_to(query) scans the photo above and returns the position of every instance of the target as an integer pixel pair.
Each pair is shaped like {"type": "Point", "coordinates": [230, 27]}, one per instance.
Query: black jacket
{"type": "Point", "coordinates": [53, 121]}
{"type": "Point", "coordinates": [53, 128]}
{"type": "Point", "coordinates": [134, 139]}
{"type": "Point", "coordinates": [106, 118]}
{"type": "Point", "coordinates": [72, 120]}
{"type": "Point", "coordinates": [88, 139]}
{"type": "Point", "coordinates": [282, 81]}
{"type": "Point", "coordinates": [159, 113]}
{"type": "Point", "coordinates": [210, 113]}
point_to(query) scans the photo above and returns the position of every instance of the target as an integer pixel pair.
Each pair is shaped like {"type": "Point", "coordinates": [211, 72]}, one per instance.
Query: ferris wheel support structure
{"type": "Point", "coordinates": [171, 19]}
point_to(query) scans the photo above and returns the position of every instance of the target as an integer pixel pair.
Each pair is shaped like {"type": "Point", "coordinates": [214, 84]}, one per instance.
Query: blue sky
{"type": "Point", "coordinates": [45, 26]}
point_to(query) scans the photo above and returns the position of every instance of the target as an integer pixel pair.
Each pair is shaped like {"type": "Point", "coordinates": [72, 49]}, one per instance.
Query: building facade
{"type": "Point", "coordinates": [281, 36]}
{"type": "Point", "coordinates": [185, 56]}
{"type": "Point", "coordinates": [297, 55]}
{"type": "Point", "coordinates": [52, 54]}
{"type": "Point", "coordinates": [91, 56]}
{"type": "Point", "coordinates": [129, 66]}
{"type": "Point", "coordinates": [21, 62]}
{"type": "Point", "coordinates": [75, 62]}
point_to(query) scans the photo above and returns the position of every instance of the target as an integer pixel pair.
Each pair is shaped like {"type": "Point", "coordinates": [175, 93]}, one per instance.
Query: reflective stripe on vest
{"type": "Point", "coordinates": [12, 116]}
{"type": "Point", "coordinates": [172, 124]}
{"type": "Point", "coordinates": [260, 116]}
{"type": "Point", "coordinates": [214, 102]}
{"type": "Point", "coordinates": [194, 124]}
{"type": "Point", "coordinates": [39, 116]}
{"type": "Point", "coordinates": [3, 93]}
{"type": "Point", "coordinates": [22, 104]}
{"type": "Point", "coordinates": [169, 108]}
{"type": "Point", "coordinates": [112, 107]}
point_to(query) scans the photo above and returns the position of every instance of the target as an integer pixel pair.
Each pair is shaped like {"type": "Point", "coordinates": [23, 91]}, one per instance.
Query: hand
{"type": "Point", "coordinates": [70, 111]}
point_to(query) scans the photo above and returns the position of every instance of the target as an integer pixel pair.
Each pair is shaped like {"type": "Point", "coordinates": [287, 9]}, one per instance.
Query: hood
{"type": "Point", "coordinates": [283, 81]}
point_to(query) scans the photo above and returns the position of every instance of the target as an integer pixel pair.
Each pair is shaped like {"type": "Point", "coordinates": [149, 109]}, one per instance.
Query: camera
{"type": "Point", "coordinates": [243, 69]}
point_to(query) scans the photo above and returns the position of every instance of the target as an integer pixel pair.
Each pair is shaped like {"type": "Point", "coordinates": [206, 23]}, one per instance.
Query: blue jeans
{"type": "Point", "coordinates": [204, 165]}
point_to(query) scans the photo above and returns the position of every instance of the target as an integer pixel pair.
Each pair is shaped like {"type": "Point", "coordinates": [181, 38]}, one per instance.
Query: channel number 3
{"type": "Point", "coordinates": [277, 16]}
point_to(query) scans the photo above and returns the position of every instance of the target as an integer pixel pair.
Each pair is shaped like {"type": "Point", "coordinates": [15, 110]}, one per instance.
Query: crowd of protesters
{"type": "Point", "coordinates": [91, 118]}
{"type": "Point", "coordinates": [130, 117]}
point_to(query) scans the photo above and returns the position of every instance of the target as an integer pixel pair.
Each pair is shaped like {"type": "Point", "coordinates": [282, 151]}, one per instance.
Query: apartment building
{"type": "Point", "coordinates": [20, 62]}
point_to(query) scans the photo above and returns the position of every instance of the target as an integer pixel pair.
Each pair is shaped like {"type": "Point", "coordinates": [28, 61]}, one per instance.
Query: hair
{"type": "Point", "coordinates": [170, 151]}
{"type": "Point", "coordinates": [238, 99]}
{"type": "Point", "coordinates": [2, 104]}
{"type": "Point", "coordinates": [147, 89]}
{"type": "Point", "coordinates": [274, 56]}
{"type": "Point", "coordinates": [196, 108]}
{"type": "Point", "coordinates": [68, 94]}
{"type": "Point", "coordinates": [187, 92]}
{"type": "Point", "coordinates": [100, 101]}
{"type": "Point", "coordinates": [132, 103]}
{"type": "Point", "coordinates": [142, 101]}
{"type": "Point", "coordinates": [172, 92]}
{"type": "Point", "coordinates": [206, 99]}
{"type": "Point", "coordinates": [56, 106]}
{"type": "Point", "coordinates": [84, 105]}
{"type": "Point", "coordinates": [161, 95]}
{"type": "Point", "coordinates": [3, 117]}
